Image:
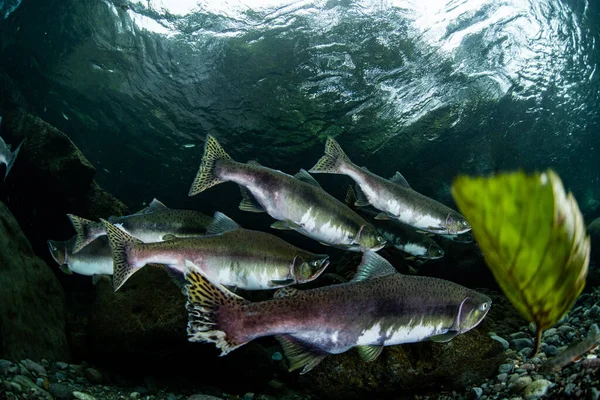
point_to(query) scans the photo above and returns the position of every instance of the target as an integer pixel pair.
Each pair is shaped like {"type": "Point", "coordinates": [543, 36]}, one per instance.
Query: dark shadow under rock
{"type": "Point", "coordinates": [32, 315]}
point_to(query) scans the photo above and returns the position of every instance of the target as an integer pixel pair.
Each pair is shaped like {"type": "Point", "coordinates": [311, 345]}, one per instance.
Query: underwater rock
{"type": "Point", "coordinates": [32, 315]}
{"type": "Point", "coordinates": [418, 367]}
{"type": "Point", "coordinates": [51, 178]}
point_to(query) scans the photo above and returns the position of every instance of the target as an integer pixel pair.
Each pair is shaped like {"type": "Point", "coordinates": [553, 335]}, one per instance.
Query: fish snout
{"type": "Point", "coordinates": [58, 252]}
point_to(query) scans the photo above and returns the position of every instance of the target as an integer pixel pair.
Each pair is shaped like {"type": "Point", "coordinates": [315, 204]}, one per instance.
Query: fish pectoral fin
{"type": "Point", "coordinates": [444, 337]}
{"type": "Point", "coordinates": [369, 353]}
{"type": "Point", "coordinates": [221, 223]}
{"type": "Point", "coordinates": [65, 268]}
{"type": "Point", "coordinates": [305, 177]}
{"type": "Point", "coordinates": [382, 216]}
{"type": "Point", "coordinates": [436, 228]}
{"type": "Point", "coordinates": [325, 244]}
{"type": "Point", "coordinates": [285, 292]}
{"type": "Point", "coordinates": [282, 282]}
{"type": "Point", "coordinates": [285, 225]}
{"type": "Point", "coordinates": [96, 278]}
{"type": "Point", "coordinates": [300, 354]}
{"type": "Point", "coordinates": [399, 179]}
{"type": "Point", "coordinates": [361, 199]}
{"type": "Point", "coordinates": [373, 266]}
{"type": "Point", "coordinates": [169, 236]}
{"type": "Point", "coordinates": [249, 202]}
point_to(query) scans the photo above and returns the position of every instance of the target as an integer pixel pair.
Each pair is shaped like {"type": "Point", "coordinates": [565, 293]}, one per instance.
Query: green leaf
{"type": "Point", "coordinates": [533, 239]}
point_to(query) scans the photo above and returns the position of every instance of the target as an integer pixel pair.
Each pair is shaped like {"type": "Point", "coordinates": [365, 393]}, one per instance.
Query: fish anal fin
{"type": "Point", "coordinates": [373, 266]}
{"type": "Point", "coordinates": [361, 199]}
{"type": "Point", "coordinates": [369, 353]}
{"type": "Point", "coordinates": [382, 216]}
{"type": "Point", "coordinates": [300, 354]}
{"type": "Point", "coordinates": [285, 292]}
{"type": "Point", "coordinates": [221, 223]}
{"type": "Point", "coordinates": [249, 202]}
{"type": "Point", "coordinates": [399, 179]}
{"type": "Point", "coordinates": [304, 176]}
{"type": "Point", "coordinates": [444, 337]}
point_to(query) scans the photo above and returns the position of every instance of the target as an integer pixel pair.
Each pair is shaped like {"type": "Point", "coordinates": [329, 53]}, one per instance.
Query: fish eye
{"type": "Point", "coordinates": [315, 263]}
{"type": "Point", "coordinates": [484, 306]}
{"type": "Point", "coordinates": [465, 223]}
{"type": "Point", "coordinates": [379, 238]}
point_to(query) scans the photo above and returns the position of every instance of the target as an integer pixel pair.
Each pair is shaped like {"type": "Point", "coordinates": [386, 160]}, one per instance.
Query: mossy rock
{"type": "Point", "coordinates": [32, 315]}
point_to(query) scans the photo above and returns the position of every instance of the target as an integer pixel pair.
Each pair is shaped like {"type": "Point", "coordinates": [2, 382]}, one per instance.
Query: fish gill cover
{"type": "Point", "coordinates": [533, 238]}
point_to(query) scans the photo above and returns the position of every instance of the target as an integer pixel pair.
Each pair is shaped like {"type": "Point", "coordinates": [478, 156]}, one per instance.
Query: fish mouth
{"type": "Point", "coordinates": [324, 264]}
{"type": "Point", "coordinates": [55, 252]}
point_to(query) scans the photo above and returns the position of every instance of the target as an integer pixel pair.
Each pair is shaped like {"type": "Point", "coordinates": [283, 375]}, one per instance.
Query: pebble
{"type": "Point", "coordinates": [503, 377]}
{"type": "Point", "coordinates": [505, 368]}
{"type": "Point", "coordinates": [248, 396]}
{"type": "Point", "coordinates": [93, 376]}
{"type": "Point", "coordinates": [4, 366]}
{"type": "Point", "coordinates": [521, 343]}
{"type": "Point", "coordinates": [25, 382]}
{"type": "Point", "coordinates": [553, 339]}
{"type": "Point", "coordinates": [502, 341]}
{"type": "Point", "coordinates": [83, 396]}
{"type": "Point", "coordinates": [550, 332]}
{"type": "Point", "coordinates": [519, 335]}
{"type": "Point", "coordinates": [551, 350]}
{"type": "Point", "coordinates": [593, 394]}
{"type": "Point", "coordinates": [34, 367]}
{"type": "Point", "coordinates": [537, 389]}
{"type": "Point", "coordinates": [61, 365]}
{"type": "Point", "coordinates": [203, 397]}
{"type": "Point", "coordinates": [60, 391]}
{"type": "Point", "coordinates": [477, 392]}
{"type": "Point", "coordinates": [520, 384]}
{"type": "Point", "coordinates": [134, 395]}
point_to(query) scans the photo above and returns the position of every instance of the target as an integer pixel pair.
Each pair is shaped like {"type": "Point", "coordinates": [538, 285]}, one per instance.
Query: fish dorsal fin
{"type": "Point", "coordinates": [399, 179]}
{"type": "Point", "coordinates": [254, 163]}
{"type": "Point", "coordinates": [285, 292]}
{"type": "Point", "coordinates": [304, 176]}
{"type": "Point", "coordinates": [249, 202]}
{"type": "Point", "coordinates": [373, 266]}
{"type": "Point", "coordinates": [369, 353]}
{"type": "Point", "coordinates": [155, 205]}
{"type": "Point", "coordinates": [300, 354]}
{"type": "Point", "coordinates": [221, 223]}
{"type": "Point", "coordinates": [361, 199]}
{"type": "Point", "coordinates": [350, 197]}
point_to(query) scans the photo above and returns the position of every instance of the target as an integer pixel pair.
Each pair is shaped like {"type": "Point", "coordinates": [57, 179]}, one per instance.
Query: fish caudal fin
{"type": "Point", "coordinates": [332, 160]}
{"type": "Point", "coordinates": [10, 163]}
{"type": "Point", "coordinates": [83, 230]}
{"type": "Point", "coordinates": [206, 302]}
{"type": "Point", "coordinates": [121, 245]}
{"type": "Point", "coordinates": [206, 177]}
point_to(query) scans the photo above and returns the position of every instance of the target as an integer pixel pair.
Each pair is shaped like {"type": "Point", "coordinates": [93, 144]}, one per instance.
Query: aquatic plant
{"type": "Point", "coordinates": [533, 239]}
